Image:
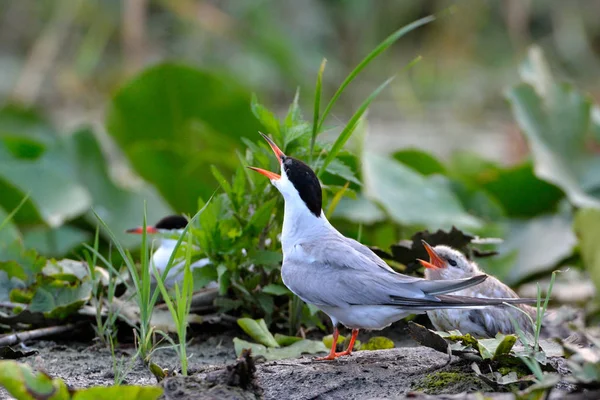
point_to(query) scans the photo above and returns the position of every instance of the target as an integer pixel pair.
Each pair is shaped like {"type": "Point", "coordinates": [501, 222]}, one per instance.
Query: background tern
{"type": "Point", "coordinates": [168, 230]}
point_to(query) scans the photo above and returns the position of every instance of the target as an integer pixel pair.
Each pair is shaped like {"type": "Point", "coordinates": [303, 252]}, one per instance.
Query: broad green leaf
{"type": "Point", "coordinates": [552, 233]}
{"type": "Point", "coordinates": [257, 330]}
{"type": "Point", "coordinates": [337, 167]}
{"type": "Point", "coordinates": [174, 121]}
{"type": "Point", "coordinates": [266, 257]}
{"type": "Point", "coordinates": [555, 119]}
{"type": "Point", "coordinates": [19, 269]}
{"type": "Point", "coordinates": [41, 179]}
{"type": "Point", "coordinates": [119, 392]}
{"type": "Point", "coordinates": [59, 299]}
{"type": "Point", "coordinates": [261, 216]}
{"type": "Point", "coordinates": [328, 340]}
{"type": "Point", "coordinates": [55, 242]}
{"type": "Point", "coordinates": [477, 200]}
{"type": "Point", "coordinates": [35, 161]}
{"type": "Point", "coordinates": [223, 279]}
{"type": "Point", "coordinates": [361, 210]}
{"type": "Point", "coordinates": [285, 340]}
{"type": "Point", "coordinates": [203, 276]}
{"type": "Point", "coordinates": [516, 189]}
{"type": "Point", "coordinates": [23, 148]}
{"type": "Point", "coordinates": [266, 117]}
{"type": "Point", "coordinates": [587, 228]}
{"type": "Point", "coordinates": [275, 289]}
{"type": "Point", "coordinates": [24, 384]}
{"type": "Point", "coordinates": [119, 208]}
{"type": "Point", "coordinates": [410, 198]}
{"type": "Point", "coordinates": [295, 350]}
{"type": "Point", "coordinates": [494, 348]}
{"type": "Point", "coordinates": [378, 343]}
{"type": "Point", "coordinates": [422, 162]}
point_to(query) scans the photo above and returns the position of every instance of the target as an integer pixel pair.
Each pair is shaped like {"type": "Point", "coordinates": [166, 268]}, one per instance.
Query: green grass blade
{"type": "Point", "coordinates": [336, 199]}
{"type": "Point", "coordinates": [165, 293]}
{"type": "Point", "coordinates": [367, 60]}
{"type": "Point", "coordinates": [317, 107]}
{"type": "Point", "coordinates": [350, 126]}
{"type": "Point", "coordinates": [15, 210]}
{"type": "Point", "coordinates": [124, 254]}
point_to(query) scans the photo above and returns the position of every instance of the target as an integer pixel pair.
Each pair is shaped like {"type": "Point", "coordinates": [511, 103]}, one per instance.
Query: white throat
{"type": "Point", "coordinates": [299, 223]}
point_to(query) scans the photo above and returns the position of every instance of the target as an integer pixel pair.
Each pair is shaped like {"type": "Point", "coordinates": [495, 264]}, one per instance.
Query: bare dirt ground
{"type": "Point", "coordinates": [406, 371]}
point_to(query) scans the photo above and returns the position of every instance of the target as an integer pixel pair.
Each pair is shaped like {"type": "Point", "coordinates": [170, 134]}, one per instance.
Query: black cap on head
{"type": "Point", "coordinates": [306, 183]}
{"type": "Point", "coordinates": [172, 222]}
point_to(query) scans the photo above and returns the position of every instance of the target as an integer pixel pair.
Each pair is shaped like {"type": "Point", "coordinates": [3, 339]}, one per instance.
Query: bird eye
{"type": "Point", "coordinates": [452, 262]}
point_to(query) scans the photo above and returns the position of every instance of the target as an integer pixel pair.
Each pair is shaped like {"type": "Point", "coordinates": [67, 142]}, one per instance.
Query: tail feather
{"type": "Point", "coordinates": [436, 287]}
{"type": "Point", "coordinates": [449, 301]}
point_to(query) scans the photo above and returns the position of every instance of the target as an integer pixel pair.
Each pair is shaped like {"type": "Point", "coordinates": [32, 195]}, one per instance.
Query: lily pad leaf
{"type": "Point", "coordinates": [59, 299]}
{"type": "Point", "coordinates": [168, 115]}
{"type": "Point", "coordinates": [257, 330]}
{"type": "Point", "coordinates": [117, 206]}
{"type": "Point", "coordinates": [23, 383]}
{"type": "Point", "coordinates": [54, 242]}
{"type": "Point", "coordinates": [410, 198]}
{"type": "Point", "coordinates": [555, 119]}
{"type": "Point", "coordinates": [304, 346]}
{"type": "Point", "coordinates": [422, 162]}
{"type": "Point", "coordinates": [553, 232]}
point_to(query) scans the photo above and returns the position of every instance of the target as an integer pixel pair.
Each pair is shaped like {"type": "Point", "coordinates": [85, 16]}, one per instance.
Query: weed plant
{"type": "Point", "coordinates": [238, 230]}
{"type": "Point", "coordinates": [534, 354]}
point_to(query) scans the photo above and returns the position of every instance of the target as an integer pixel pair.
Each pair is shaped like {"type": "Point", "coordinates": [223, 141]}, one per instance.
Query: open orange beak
{"type": "Point", "coordinates": [278, 153]}
{"type": "Point", "coordinates": [139, 230]}
{"type": "Point", "coordinates": [435, 261]}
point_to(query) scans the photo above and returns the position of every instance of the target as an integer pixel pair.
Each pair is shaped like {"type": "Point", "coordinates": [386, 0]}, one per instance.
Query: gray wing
{"type": "Point", "coordinates": [334, 272]}
{"type": "Point", "coordinates": [368, 253]}
{"type": "Point", "coordinates": [498, 319]}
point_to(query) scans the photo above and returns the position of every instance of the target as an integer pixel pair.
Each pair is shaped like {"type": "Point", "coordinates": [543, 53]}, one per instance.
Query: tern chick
{"type": "Point", "coordinates": [448, 264]}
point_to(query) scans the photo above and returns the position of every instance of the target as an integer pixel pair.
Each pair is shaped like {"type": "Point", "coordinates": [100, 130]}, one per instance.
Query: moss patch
{"type": "Point", "coordinates": [449, 382]}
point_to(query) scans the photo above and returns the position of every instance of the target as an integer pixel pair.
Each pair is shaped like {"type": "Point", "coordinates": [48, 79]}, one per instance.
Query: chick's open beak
{"type": "Point", "coordinates": [435, 261]}
{"type": "Point", "coordinates": [278, 153]}
{"type": "Point", "coordinates": [139, 230]}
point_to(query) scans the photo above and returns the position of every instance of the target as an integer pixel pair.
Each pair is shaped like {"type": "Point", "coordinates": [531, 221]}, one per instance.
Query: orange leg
{"type": "Point", "coordinates": [348, 351]}
{"type": "Point", "coordinates": [332, 354]}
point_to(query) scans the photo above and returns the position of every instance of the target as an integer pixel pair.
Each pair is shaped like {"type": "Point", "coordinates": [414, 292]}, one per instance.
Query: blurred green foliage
{"type": "Point", "coordinates": [185, 131]}
{"type": "Point", "coordinates": [173, 122]}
